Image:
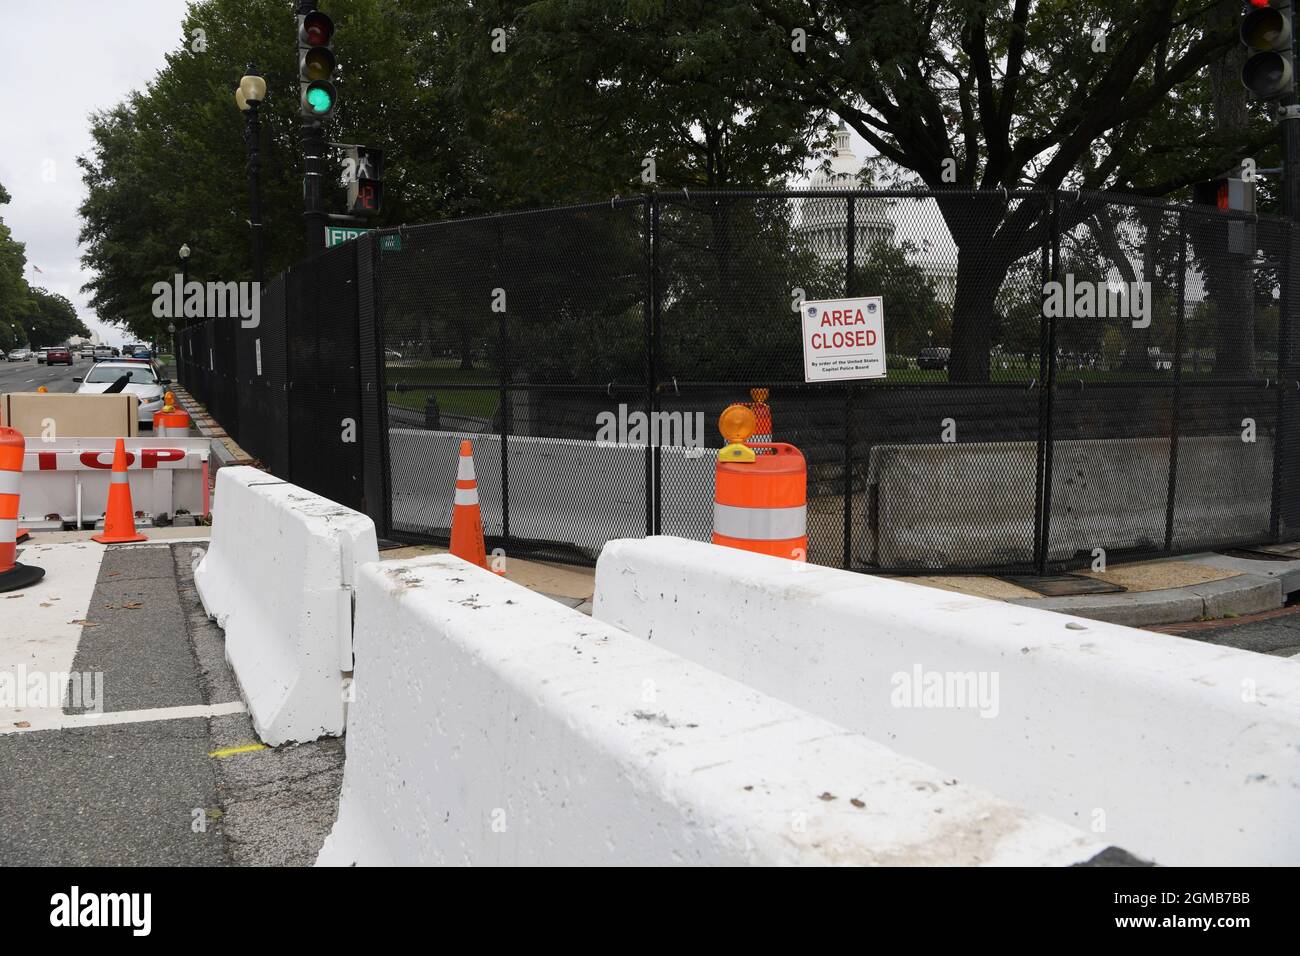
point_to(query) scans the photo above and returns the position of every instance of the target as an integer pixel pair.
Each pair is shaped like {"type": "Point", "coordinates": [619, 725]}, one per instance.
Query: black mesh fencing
{"type": "Point", "coordinates": [1072, 377]}
{"type": "Point", "coordinates": [285, 382]}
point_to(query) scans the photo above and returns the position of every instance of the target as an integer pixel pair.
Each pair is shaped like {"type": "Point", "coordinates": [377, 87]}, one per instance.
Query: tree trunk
{"type": "Point", "coordinates": [988, 240]}
{"type": "Point", "coordinates": [978, 282]}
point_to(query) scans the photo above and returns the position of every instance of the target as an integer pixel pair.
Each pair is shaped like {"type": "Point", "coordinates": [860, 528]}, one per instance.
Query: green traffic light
{"type": "Point", "coordinates": [319, 99]}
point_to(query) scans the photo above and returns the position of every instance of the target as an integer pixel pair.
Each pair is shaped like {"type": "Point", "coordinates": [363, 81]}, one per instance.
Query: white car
{"type": "Point", "coordinates": [144, 383]}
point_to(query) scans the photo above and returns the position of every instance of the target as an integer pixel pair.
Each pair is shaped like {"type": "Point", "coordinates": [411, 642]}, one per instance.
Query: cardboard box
{"type": "Point", "coordinates": [71, 416]}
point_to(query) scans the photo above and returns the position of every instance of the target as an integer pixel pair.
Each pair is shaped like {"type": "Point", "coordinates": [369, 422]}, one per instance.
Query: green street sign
{"type": "Point", "coordinates": [391, 243]}
{"type": "Point", "coordinates": [337, 235]}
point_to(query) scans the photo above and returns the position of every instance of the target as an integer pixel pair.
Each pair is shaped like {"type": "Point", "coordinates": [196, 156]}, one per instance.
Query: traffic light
{"type": "Point", "coordinates": [1231, 194]}
{"type": "Point", "coordinates": [1269, 71]}
{"type": "Point", "coordinates": [365, 168]}
{"type": "Point", "coordinates": [316, 66]}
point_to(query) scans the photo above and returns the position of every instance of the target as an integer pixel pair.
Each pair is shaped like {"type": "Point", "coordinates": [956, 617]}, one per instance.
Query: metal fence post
{"type": "Point", "coordinates": [1279, 511]}
{"type": "Point", "coordinates": [655, 358]}
{"type": "Point", "coordinates": [505, 381]}
{"type": "Point", "coordinates": [370, 353]}
{"type": "Point", "coordinates": [651, 247]}
{"type": "Point", "coordinates": [850, 390]}
{"type": "Point", "coordinates": [1180, 321]}
{"type": "Point", "coordinates": [1047, 371]}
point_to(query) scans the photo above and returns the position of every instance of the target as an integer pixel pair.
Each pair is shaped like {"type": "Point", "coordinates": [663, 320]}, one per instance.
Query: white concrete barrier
{"type": "Point", "coordinates": [1180, 751]}
{"type": "Point", "coordinates": [278, 578]}
{"type": "Point", "coordinates": [495, 726]}
{"type": "Point", "coordinates": [972, 504]}
{"type": "Point", "coordinates": [548, 502]}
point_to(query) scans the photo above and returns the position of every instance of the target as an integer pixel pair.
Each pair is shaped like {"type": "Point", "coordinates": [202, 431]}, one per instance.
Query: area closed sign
{"type": "Point", "coordinates": [843, 339]}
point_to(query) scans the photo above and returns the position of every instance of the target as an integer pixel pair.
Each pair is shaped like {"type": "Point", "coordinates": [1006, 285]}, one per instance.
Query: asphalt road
{"type": "Point", "coordinates": [29, 376]}
{"type": "Point", "coordinates": [1273, 632]}
{"type": "Point", "coordinates": [186, 790]}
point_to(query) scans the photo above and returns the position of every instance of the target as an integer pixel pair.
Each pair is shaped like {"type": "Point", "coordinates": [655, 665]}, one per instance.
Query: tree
{"type": "Point", "coordinates": [52, 319]}
{"type": "Point", "coordinates": [168, 164]}
{"type": "Point", "coordinates": [993, 96]}
{"type": "Point", "coordinates": [15, 296]}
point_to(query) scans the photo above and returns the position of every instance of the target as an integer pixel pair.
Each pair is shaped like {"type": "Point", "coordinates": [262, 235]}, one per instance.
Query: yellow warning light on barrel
{"type": "Point", "coordinates": [736, 423]}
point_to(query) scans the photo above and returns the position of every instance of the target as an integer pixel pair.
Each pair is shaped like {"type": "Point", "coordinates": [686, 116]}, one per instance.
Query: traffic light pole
{"type": "Point", "coordinates": [314, 215]}
{"type": "Point", "coordinates": [253, 138]}
{"type": "Point", "coordinates": [313, 152]}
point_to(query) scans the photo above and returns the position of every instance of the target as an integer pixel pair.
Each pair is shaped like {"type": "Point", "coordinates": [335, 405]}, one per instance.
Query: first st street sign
{"type": "Point", "coordinates": [843, 339]}
{"type": "Point", "coordinates": [337, 235]}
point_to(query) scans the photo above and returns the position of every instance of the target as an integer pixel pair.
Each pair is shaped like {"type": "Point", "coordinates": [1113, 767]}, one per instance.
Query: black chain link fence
{"type": "Point", "coordinates": [1070, 374]}
{"type": "Point", "coordinates": [286, 384]}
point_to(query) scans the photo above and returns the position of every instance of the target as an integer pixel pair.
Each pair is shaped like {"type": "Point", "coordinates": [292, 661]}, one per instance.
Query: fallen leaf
{"type": "Point", "coordinates": [857, 803]}
{"type": "Point", "coordinates": [132, 605]}
{"type": "Point", "coordinates": [85, 623]}
{"type": "Point", "coordinates": [46, 604]}
{"type": "Point", "coordinates": [10, 597]}
{"type": "Point", "coordinates": [827, 796]}
{"type": "Point", "coordinates": [22, 723]}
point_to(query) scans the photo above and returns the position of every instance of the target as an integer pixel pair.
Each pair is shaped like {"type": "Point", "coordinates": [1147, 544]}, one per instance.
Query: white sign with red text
{"type": "Point", "coordinates": [843, 339]}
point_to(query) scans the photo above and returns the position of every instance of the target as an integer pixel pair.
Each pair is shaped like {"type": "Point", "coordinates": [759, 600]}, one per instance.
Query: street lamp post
{"type": "Point", "coordinates": [249, 96]}
{"type": "Point", "coordinates": [184, 255]}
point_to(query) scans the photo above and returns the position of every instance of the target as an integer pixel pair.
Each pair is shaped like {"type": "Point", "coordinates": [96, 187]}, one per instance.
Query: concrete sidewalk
{"type": "Point", "coordinates": [1167, 591]}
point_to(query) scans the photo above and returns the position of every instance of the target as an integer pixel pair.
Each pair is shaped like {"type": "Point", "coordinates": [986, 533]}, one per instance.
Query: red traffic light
{"type": "Point", "coordinates": [1259, 3]}
{"type": "Point", "coordinates": [317, 29]}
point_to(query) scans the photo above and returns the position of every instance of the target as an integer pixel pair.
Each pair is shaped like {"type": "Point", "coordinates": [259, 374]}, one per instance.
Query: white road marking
{"type": "Point", "coordinates": [37, 629]}
{"type": "Point", "coordinates": [57, 720]}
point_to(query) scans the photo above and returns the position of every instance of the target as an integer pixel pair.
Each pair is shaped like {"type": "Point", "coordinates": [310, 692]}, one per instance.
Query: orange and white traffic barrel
{"type": "Point", "coordinates": [170, 421]}
{"type": "Point", "coordinates": [12, 574]}
{"type": "Point", "coordinates": [760, 503]}
{"type": "Point", "coordinates": [175, 424]}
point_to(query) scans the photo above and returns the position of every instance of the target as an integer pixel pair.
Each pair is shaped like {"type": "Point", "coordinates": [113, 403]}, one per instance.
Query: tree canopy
{"type": "Point", "coordinates": [504, 104]}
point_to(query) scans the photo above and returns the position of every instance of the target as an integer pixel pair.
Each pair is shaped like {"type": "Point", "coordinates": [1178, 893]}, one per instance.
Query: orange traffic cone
{"type": "Point", "coordinates": [466, 520]}
{"type": "Point", "coordinates": [12, 574]}
{"type": "Point", "coordinates": [119, 519]}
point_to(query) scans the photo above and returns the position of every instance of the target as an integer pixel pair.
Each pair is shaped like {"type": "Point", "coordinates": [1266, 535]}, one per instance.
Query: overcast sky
{"type": "Point", "coordinates": [59, 61]}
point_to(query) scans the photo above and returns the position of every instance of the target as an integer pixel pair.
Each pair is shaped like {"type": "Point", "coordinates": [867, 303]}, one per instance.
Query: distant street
{"type": "Point", "coordinates": [29, 376]}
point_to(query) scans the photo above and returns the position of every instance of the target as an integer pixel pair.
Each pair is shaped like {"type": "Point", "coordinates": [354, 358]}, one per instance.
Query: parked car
{"type": "Point", "coordinates": [86, 352]}
{"type": "Point", "coordinates": [933, 358]}
{"type": "Point", "coordinates": [19, 355]}
{"type": "Point", "coordinates": [144, 383]}
{"type": "Point", "coordinates": [40, 356]}
{"type": "Point", "coordinates": [62, 355]}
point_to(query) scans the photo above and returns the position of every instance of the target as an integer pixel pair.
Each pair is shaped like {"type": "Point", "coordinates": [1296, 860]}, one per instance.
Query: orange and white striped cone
{"type": "Point", "coordinates": [119, 518]}
{"type": "Point", "coordinates": [12, 574]}
{"type": "Point", "coordinates": [466, 519]}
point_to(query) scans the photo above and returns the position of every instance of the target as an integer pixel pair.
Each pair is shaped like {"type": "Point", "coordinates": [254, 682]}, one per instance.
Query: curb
{"type": "Point", "coordinates": [1244, 594]}
{"type": "Point", "coordinates": [220, 450]}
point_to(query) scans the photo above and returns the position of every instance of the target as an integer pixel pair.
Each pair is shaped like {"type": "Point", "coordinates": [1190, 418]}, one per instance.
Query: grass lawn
{"type": "Point", "coordinates": [441, 375]}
